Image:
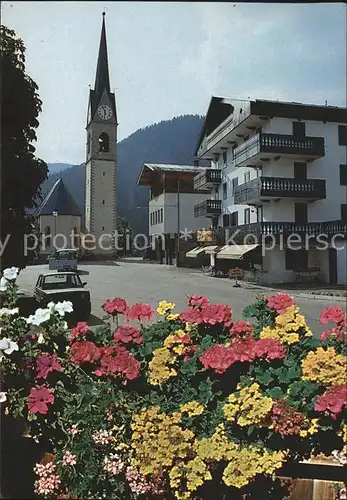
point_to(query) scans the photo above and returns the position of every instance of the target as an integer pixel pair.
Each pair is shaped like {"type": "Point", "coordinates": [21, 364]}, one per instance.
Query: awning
{"type": "Point", "coordinates": [195, 252]}
{"type": "Point", "coordinates": [211, 249]}
{"type": "Point", "coordinates": [234, 251]}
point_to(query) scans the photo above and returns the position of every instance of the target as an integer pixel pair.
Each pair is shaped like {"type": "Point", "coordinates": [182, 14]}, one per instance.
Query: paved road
{"type": "Point", "coordinates": [140, 281]}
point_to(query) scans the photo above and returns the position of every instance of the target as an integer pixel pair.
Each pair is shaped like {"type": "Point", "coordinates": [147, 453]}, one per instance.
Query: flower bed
{"type": "Point", "coordinates": [194, 406]}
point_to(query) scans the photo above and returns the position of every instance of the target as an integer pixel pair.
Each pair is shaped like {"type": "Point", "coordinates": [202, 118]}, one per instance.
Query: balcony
{"type": "Point", "coordinates": [263, 147]}
{"type": "Point", "coordinates": [208, 208]}
{"type": "Point", "coordinates": [267, 188]}
{"type": "Point", "coordinates": [207, 179]}
{"type": "Point", "coordinates": [258, 230]}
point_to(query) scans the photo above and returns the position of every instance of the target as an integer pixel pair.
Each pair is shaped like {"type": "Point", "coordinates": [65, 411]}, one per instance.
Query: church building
{"type": "Point", "coordinates": [101, 158]}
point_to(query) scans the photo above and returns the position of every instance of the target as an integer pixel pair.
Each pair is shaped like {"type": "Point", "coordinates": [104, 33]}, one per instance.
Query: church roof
{"type": "Point", "coordinates": [58, 200]}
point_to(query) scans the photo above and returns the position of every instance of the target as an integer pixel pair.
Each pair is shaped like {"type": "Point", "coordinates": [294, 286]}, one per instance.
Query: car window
{"type": "Point", "coordinates": [61, 281]}
{"type": "Point", "coordinates": [39, 280]}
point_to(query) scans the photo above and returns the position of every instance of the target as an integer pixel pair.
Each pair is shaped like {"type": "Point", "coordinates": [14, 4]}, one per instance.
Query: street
{"type": "Point", "coordinates": [140, 281]}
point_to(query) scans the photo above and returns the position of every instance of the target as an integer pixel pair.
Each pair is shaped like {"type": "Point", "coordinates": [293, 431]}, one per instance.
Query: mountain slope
{"type": "Point", "coordinates": [171, 141]}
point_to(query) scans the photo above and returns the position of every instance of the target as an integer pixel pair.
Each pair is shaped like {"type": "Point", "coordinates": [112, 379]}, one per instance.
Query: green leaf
{"type": "Point", "coordinates": [276, 393]}
{"type": "Point", "coordinates": [189, 367]}
{"type": "Point", "coordinates": [265, 378]}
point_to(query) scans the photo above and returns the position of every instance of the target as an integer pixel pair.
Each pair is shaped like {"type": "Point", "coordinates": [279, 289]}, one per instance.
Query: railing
{"type": "Point", "coordinates": [207, 178]}
{"type": "Point", "coordinates": [258, 229]}
{"type": "Point", "coordinates": [280, 187]}
{"type": "Point", "coordinates": [208, 208]}
{"type": "Point", "coordinates": [279, 144]}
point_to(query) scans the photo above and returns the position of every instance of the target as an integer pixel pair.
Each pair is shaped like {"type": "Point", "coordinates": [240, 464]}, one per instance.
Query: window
{"type": "Point", "coordinates": [103, 228]}
{"type": "Point", "coordinates": [103, 174]}
{"type": "Point", "coordinates": [234, 219]}
{"type": "Point", "coordinates": [300, 171]}
{"type": "Point", "coordinates": [235, 183]}
{"type": "Point", "coordinates": [296, 260]}
{"type": "Point", "coordinates": [343, 175]}
{"type": "Point", "coordinates": [224, 157]}
{"type": "Point", "coordinates": [225, 220]}
{"type": "Point", "coordinates": [247, 216]}
{"type": "Point", "coordinates": [342, 135]}
{"type": "Point", "coordinates": [247, 176]}
{"type": "Point", "coordinates": [344, 212]}
{"type": "Point", "coordinates": [88, 142]}
{"type": "Point", "coordinates": [151, 218]}
{"type": "Point", "coordinates": [225, 190]}
{"type": "Point", "coordinates": [299, 129]}
{"type": "Point", "coordinates": [300, 213]}
{"type": "Point", "coordinates": [104, 143]}
{"type": "Point", "coordinates": [103, 202]}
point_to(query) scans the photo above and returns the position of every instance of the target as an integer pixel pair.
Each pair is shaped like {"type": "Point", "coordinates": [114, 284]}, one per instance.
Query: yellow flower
{"type": "Point", "coordinates": [325, 366]}
{"type": "Point", "coordinates": [192, 408]}
{"type": "Point", "coordinates": [165, 307]}
{"type": "Point", "coordinates": [309, 427]}
{"type": "Point", "coordinates": [249, 407]}
{"type": "Point", "coordinates": [160, 367]}
{"type": "Point", "coordinates": [288, 328]}
{"type": "Point", "coordinates": [172, 316]}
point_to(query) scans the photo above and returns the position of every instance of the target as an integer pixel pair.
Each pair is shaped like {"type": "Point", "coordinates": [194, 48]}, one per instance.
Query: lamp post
{"type": "Point", "coordinates": [55, 215]}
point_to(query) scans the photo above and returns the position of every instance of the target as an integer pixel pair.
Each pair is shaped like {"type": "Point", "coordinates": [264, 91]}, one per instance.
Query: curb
{"type": "Point", "coordinates": [314, 296]}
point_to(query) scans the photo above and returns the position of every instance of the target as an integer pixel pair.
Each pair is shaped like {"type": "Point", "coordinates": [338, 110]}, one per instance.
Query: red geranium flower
{"type": "Point", "coordinates": [333, 400]}
{"type": "Point", "coordinates": [190, 351]}
{"type": "Point", "coordinates": [216, 313]}
{"type": "Point", "coordinates": [118, 361]}
{"type": "Point", "coordinates": [218, 357]}
{"type": "Point", "coordinates": [140, 312]}
{"type": "Point", "coordinates": [38, 399]}
{"type": "Point", "coordinates": [270, 348]}
{"type": "Point", "coordinates": [197, 300]}
{"type": "Point", "coordinates": [84, 352]}
{"type": "Point", "coordinates": [116, 306]}
{"type": "Point", "coordinates": [127, 334]}
{"type": "Point", "coordinates": [241, 329]}
{"type": "Point", "coordinates": [191, 315]}
{"type": "Point", "coordinates": [334, 314]}
{"type": "Point", "coordinates": [337, 333]}
{"type": "Point", "coordinates": [47, 363]}
{"type": "Point", "coordinates": [80, 329]}
{"type": "Point", "coordinates": [242, 349]}
{"type": "Point", "coordinates": [280, 302]}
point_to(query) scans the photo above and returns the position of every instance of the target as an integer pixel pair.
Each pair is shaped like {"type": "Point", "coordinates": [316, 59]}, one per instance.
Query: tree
{"type": "Point", "coordinates": [125, 238]}
{"type": "Point", "coordinates": [22, 173]}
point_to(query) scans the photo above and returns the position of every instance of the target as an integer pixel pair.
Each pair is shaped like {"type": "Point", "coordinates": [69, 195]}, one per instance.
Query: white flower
{"type": "Point", "coordinates": [7, 347]}
{"type": "Point", "coordinates": [63, 307]}
{"type": "Point", "coordinates": [65, 325]}
{"type": "Point", "coordinates": [11, 273]}
{"type": "Point", "coordinates": [5, 311]}
{"type": "Point", "coordinates": [3, 284]}
{"type": "Point", "coordinates": [40, 316]}
{"type": "Point", "coordinates": [3, 397]}
{"type": "Point", "coordinates": [51, 306]}
{"type": "Point", "coordinates": [40, 339]}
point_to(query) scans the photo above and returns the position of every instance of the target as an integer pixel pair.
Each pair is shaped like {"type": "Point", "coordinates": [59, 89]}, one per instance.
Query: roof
{"type": "Point", "coordinates": [58, 200]}
{"type": "Point", "coordinates": [58, 272]}
{"type": "Point", "coordinates": [149, 169]}
{"type": "Point", "coordinates": [220, 108]}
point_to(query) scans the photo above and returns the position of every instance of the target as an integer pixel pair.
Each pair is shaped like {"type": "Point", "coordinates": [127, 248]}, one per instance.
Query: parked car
{"type": "Point", "coordinates": [64, 260]}
{"type": "Point", "coordinates": [60, 286]}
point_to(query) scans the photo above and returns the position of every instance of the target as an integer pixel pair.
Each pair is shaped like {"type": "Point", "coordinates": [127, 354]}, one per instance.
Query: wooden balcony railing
{"type": "Point", "coordinates": [208, 178]}
{"type": "Point", "coordinates": [279, 187]}
{"type": "Point", "coordinates": [208, 208]}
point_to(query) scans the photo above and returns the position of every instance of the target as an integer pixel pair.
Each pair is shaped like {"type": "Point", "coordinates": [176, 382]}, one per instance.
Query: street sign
{"type": "Point", "coordinates": [204, 236]}
{"type": "Point", "coordinates": [236, 272]}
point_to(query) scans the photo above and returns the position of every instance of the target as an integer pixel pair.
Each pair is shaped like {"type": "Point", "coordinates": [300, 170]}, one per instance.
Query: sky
{"type": "Point", "coordinates": [168, 59]}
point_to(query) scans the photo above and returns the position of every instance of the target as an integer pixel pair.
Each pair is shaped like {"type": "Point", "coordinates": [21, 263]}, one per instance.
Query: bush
{"type": "Point", "coordinates": [191, 406]}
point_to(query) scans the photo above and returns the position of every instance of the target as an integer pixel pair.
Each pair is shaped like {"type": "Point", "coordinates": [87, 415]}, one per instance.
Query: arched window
{"type": "Point", "coordinates": [48, 236]}
{"type": "Point", "coordinates": [104, 143]}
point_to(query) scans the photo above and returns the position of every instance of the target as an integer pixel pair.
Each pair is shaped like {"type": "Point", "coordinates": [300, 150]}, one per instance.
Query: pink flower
{"type": "Point", "coordinates": [140, 312]}
{"type": "Point", "coordinates": [118, 361]}
{"type": "Point", "coordinates": [197, 300]}
{"type": "Point", "coordinates": [191, 315]}
{"type": "Point", "coordinates": [270, 348]}
{"type": "Point", "coordinates": [116, 306]}
{"type": "Point", "coordinates": [73, 430]}
{"type": "Point", "coordinates": [47, 363]}
{"type": "Point", "coordinates": [280, 302]}
{"type": "Point", "coordinates": [216, 313]}
{"type": "Point", "coordinates": [38, 399]}
{"type": "Point", "coordinates": [127, 334]}
{"type": "Point", "coordinates": [242, 349]}
{"type": "Point", "coordinates": [47, 483]}
{"type": "Point", "coordinates": [336, 333]}
{"type": "Point", "coordinates": [218, 357]}
{"type": "Point", "coordinates": [241, 329]}
{"type": "Point", "coordinates": [80, 330]}
{"type": "Point", "coordinates": [68, 459]}
{"type": "Point", "coordinates": [334, 314]}
{"type": "Point", "coordinates": [333, 400]}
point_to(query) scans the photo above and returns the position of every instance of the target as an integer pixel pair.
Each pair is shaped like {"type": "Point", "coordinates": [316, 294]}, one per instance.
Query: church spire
{"type": "Point", "coordinates": [102, 79]}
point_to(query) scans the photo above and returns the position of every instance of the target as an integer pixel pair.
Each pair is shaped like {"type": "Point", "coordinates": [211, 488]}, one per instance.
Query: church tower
{"type": "Point", "coordinates": [101, 158]}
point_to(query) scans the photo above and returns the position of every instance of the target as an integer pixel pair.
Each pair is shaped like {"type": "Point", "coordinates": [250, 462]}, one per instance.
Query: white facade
{"type": "Point", "coordinates": [57, 232]}
{"type": "Point", "coordinates": [236, 140]}
{"type": "Point", "coordinates": [168, 210]}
